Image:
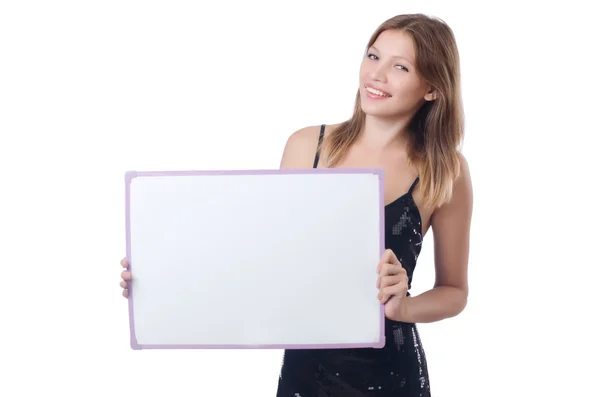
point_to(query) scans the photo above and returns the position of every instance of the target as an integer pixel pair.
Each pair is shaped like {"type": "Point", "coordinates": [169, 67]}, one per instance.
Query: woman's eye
{"type": "Point", "coordinates": [372, 56]}
{"type": "Point", "coordinates": [402, 68]}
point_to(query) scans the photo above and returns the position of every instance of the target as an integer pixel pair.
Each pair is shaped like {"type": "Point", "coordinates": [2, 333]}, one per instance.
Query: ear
{"type": "Point", "coordinates": [431, 95]}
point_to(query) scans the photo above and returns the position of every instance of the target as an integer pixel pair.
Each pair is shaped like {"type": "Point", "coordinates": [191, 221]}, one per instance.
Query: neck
{"type": "Point", "coordinates": [381, 133]}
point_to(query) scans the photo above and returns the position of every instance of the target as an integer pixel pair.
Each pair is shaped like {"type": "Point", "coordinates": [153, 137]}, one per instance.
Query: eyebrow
{"type": "Point", "coordinates": [394, 56]}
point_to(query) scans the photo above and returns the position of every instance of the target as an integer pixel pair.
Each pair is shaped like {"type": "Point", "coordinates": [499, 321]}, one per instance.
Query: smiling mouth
{"type": "Point", "coordinates": [374, 91]}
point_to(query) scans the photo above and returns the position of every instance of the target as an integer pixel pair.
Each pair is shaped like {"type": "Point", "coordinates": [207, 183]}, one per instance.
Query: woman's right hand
{"type": "Point", "coordinates": [125, 276]}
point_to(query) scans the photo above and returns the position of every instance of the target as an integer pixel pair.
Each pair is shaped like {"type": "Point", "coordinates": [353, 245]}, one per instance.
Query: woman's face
{"type": "Point", "coordinates": [390, 85]}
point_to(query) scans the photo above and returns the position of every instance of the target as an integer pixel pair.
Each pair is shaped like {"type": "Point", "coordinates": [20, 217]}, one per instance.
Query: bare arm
{"type": "Point", "coordinates": [451, 226]}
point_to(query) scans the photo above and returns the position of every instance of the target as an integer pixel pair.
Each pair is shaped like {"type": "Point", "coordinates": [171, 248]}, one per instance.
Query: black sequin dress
{"type": "Point", "coordinates": [398, 369]}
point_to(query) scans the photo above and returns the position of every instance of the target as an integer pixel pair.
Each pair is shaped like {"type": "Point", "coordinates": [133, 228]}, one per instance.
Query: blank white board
{"type": "Point", "coordinates": [280, 259]}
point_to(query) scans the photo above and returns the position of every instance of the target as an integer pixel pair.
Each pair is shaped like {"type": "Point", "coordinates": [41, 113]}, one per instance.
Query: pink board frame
{"type": "Point", "coordinates": [129, 175]}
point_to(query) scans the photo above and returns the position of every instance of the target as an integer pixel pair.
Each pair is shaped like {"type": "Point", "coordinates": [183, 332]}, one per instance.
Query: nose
{"type": "Point", "coordinates": [378, 73]}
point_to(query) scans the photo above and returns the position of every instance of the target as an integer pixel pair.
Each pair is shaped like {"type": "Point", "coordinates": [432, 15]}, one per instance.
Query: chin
{"type": "Point", "coordinates": [376, 111]}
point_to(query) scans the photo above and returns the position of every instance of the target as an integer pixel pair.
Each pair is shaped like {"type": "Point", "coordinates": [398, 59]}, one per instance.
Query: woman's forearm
{"type": "Point", "coordinates": [434, 305]}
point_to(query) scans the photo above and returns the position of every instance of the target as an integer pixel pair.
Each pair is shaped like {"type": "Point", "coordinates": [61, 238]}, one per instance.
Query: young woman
{"type": "Point", "coordinates": [408, 120]}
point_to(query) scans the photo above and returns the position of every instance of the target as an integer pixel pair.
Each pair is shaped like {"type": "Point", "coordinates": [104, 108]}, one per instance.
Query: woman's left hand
{"type": "Point", "coordinates": [392, 284]}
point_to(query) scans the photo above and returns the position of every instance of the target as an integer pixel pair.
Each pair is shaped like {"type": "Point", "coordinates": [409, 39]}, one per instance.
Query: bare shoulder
{"type": "Point", "coordinates": [464, 167]}
{"type": "Point", "coordinates": [462, 186]}
{"type": "Point", "coordinates": [301, 147]}
{"type": "Point", "coordinates": [461, 202]}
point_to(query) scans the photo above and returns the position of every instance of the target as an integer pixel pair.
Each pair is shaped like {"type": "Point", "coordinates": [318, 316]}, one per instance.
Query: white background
{"type": "Point", "coordinates": [89, 90]}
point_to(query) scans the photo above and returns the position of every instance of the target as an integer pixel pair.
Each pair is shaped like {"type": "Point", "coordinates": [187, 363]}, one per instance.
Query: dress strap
{"type": "Point", "coordinates": [412, 187]}
{"type": "Point", "coordinates": [318, 153]}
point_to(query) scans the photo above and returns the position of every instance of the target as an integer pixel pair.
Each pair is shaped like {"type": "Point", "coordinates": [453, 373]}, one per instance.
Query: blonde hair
{"type": "Point", "coordinates": [437, 128]}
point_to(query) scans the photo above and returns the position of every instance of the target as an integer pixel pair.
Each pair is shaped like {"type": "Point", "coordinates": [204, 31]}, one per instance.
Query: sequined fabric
{"type": "Point", "coordinates": [399, 369]}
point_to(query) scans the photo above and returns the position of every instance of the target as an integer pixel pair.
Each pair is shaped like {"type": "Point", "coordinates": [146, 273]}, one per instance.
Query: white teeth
{"type": "Point", "coordinates": [376, 92]}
